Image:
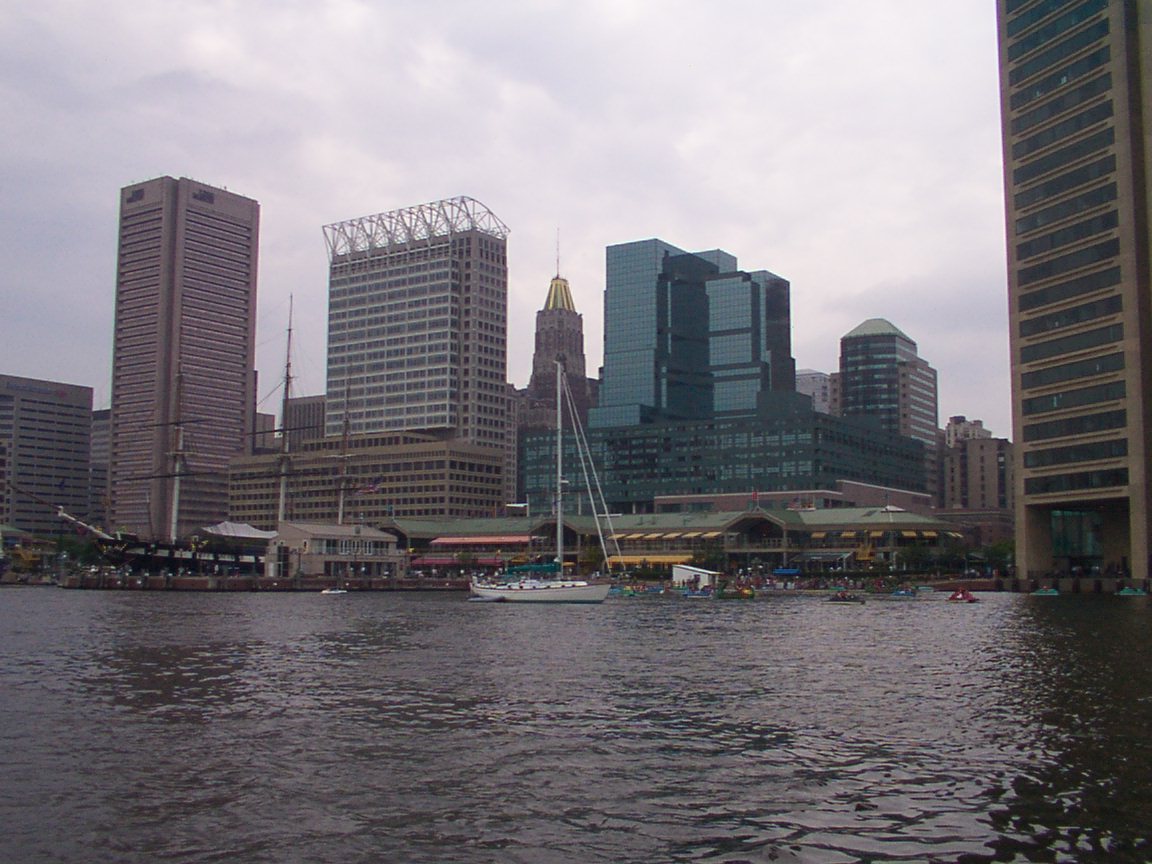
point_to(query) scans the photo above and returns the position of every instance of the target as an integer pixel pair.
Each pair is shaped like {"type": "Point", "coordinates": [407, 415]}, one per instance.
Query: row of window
{"type": "Point", "coordinates": [1075, 315]}
{"type": "Point", "coordinates": [1050, 57]}
{"type": "Point", "coordinates": [1069, 344]}
{"type": "Point", "coordinates": [1072, 426]}
{"type": "Point", "coordinates": [1114, 449]}
{"type": "Point", "coordinates": [1068, 235]}
{"type": "Point", "coordinates": [1085, 257]}
{"type": "Point", "coordinates": [1086, 200]}
{"type": "Point", "coordinates": [1109, 392]}
{"type": "Point", "coordinates": [1083, 481]}
{"type": "Point", "coordinates": [1074, 152]}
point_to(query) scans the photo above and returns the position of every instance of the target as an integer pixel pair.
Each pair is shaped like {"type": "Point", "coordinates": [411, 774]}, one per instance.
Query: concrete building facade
{"type": "Point", "coordinates": [1077, 134]}
{"type": "Point", "coordinates": [183, 366]}
{"type": "Point", "coordinates": [45, 434]}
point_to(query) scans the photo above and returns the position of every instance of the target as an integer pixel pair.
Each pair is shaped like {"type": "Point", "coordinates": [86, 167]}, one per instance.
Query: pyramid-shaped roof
{"type": "Point", "coordinates": [876, 327]}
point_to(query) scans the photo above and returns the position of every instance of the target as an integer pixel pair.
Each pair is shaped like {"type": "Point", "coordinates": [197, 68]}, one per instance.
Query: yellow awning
{"type": "Point", "coordinates": [712, 534]}
{"type": "Point", "coordinates": [907, 533]}
{"type": "Point", "coordinates": [649, 559]}
{"type": "Point", "coordinates": [875, 534]}
{"type": "Point", "coordinates": [691, 534]}
{"type": "Point", "coordinates": [817, 535]}
{"type": "Point", "coordinates": [929, 533]}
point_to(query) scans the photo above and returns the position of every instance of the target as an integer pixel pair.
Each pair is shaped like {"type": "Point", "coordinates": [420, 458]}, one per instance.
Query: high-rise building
{"type": "Point", "coordinates": [688, 336]}
{"type": "Point", "coordinates": [1077, 135]}
{"type": "Point", "coordinates": [418, 322]}
{"type": "Point", "coordinates": [559, 337]}
{"type": "Point", "coordinates": [698, 393]}
{"type": "Point", "coordinates": [183, 364]}
{"type": "Point", "coordinates": [45, 430]}
{"type": "Point", "coordinates": [882, 376]}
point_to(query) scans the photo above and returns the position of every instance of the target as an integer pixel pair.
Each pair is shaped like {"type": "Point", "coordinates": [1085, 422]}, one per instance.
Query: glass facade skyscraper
{"type": "Point", "coordinates": [688, 336]}
{"type": "Point", "coordinates": [1075, 79]}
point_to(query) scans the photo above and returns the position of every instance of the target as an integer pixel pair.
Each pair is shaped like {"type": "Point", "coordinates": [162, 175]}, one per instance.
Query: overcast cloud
{"type": "Point", "coordinates": [852, 148]}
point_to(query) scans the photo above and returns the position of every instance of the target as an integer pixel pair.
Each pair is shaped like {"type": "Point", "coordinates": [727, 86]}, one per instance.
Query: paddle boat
{"type": "Point", "coordinates": [963, 595]}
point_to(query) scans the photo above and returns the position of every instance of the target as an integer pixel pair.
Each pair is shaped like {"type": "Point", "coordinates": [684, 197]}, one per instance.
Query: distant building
{"type": "Point", "coordinates": [884, 380]}
{"type": "Point", "coordinates": [688, 336]}
{"type": "Point", "coordinates": [960, 428]}
{"type": "Point", "coordinates": [368, 477]}
{"type": "Point", "coordinates": [1077, 126]}
{"type": "Point", "coordinates": [265, 438]}
{"type": "Point", "coordinates": [559, 337]}
{"type": "Point", "coordinates": [45, 435]}
{"type": "Point", "coordinates": [818, 385]}
{"type": "Point", "coordinates": [303, 420]}
{"type": "Point", "coordinates": [183, 361]}
{"type": "Point", "coordinates": [698, 393]}
{"type": "Point", "coordinates": [418, 325]}
{"type": "Point", "coordinates": [418, 322]}
{"type": "Point", "coordinates": [978, 474]}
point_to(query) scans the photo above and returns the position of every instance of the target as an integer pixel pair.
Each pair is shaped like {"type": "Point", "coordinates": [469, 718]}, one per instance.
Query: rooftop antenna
{"type": "Point", "coordinates": [557, 251]}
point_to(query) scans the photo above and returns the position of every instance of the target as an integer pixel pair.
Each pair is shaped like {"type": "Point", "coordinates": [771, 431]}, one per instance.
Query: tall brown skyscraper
{"type": "Point", "coordinates": [1075, 85]}
{"type": "Point", "coordinates": [183, 366]}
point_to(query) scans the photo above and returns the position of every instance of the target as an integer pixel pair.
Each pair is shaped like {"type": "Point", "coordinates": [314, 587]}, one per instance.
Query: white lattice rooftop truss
{"type": "Point", "coordinates": [424, 222]}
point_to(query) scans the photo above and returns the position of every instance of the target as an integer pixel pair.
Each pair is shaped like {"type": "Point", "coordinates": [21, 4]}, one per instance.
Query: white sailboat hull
{"type": "Point", "coordinates": [542, 591]}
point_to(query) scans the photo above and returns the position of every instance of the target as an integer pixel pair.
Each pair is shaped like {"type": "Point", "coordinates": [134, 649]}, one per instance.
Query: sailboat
{"type": "Point", "coordinates": [519, 585]}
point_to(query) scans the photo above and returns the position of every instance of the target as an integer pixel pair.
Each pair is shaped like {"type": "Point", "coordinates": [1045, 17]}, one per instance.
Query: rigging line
{"type": "Point", "coordinates": [595, 498]}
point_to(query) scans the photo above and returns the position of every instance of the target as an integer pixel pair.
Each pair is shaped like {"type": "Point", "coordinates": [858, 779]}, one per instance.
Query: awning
{"type": "Point", "coordinates": [907, 533]}
{"type": "Point", "coordinates": [818, 535]}
{"type": "Point", "coordinates": [875, 535]}
{"type": "Point", "coordinates": [691, 534]}
{"type": "Point", "coordinates": [929, 533]}
{"type": "Point", "coordinates": [711, 534]}
{"type": "Point", "coordinates": [649, 559]}
{"type": "Point", "coordinates": [483, 540]}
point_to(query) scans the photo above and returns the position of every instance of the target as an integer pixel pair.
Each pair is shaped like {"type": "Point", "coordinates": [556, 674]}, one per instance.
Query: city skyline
{"type": "Point", "coordinates": [818, 145]}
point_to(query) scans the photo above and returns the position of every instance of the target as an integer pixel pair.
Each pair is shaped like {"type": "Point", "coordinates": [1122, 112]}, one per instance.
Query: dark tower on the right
{"type": "Point", "coordinates": [1076, 108]}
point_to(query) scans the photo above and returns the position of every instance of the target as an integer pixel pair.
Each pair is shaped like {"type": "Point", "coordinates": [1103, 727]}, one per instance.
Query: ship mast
{"type": "Point", "coordinates": [283, 507]}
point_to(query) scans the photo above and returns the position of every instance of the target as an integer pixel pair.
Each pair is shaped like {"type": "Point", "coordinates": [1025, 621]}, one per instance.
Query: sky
{"type": "Point", "coordinates": [852, 148]}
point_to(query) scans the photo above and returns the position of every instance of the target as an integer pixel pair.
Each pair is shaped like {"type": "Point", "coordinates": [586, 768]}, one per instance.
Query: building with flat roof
{"type": "Point", "coordinates": [183, 360]}
{"type": "Point", "coordinates": [1077, 127]}
{"type": "Point", "coordinates": [365, 478]}
{"type": "Point", "coordinates": [45, 435]}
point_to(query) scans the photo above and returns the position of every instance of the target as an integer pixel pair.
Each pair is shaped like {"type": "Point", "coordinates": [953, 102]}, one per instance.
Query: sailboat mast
{"type": "Point", "coordinates": [282, 510]}
{"type": "Point", "coordinates": [559, 471]}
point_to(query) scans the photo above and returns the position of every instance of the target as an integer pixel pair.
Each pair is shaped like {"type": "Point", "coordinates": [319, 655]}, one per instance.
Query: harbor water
{"type": "Point", "coordinates": [375, 727]}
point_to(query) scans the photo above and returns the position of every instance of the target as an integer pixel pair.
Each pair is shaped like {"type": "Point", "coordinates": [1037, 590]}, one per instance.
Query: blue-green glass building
{"type": "Point", "coordinates": [698, 394]}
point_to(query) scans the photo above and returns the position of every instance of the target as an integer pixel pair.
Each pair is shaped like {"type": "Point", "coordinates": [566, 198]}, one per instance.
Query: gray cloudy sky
{"type": "Point", "coordinates": [851, 147]}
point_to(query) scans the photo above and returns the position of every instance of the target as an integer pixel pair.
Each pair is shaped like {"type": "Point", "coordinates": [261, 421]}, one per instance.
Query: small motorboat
{"type": "Point", "coordinates": [1129, 591]}
{"type": "Point", "coordinates": [1046, 592]}
{"type": "Point", "coordinates": [845, 597]}
{"type": "Point", "coordinates": [963, 595]}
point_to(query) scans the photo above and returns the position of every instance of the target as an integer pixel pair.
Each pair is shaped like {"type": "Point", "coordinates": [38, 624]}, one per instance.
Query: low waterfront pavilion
{"type": "Point", "coordinates": [811, 539]}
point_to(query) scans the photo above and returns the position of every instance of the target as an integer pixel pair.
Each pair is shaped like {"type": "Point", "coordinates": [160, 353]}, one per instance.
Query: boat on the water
{"type": "Point", "coordinates": [333, 591]}
{"type": "Point", "coordinates": [737, 592]}
{"type": "Point", "coordinates": [963, 595]}
{"type": "Point", "coordinates": [534, 590]}
{"type": "Point", "coordinates": [845, 597]}
{"type": "Point", "coordinates": [1129, 591]}
{"type": "Point", "coordinates": [518, 585]}
{"type": "Point", "coordinates": [1046, 592]}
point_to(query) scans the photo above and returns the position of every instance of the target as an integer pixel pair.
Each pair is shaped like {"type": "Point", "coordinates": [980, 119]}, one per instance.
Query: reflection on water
{"type": "Point", "coordinates": [196, 728]}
